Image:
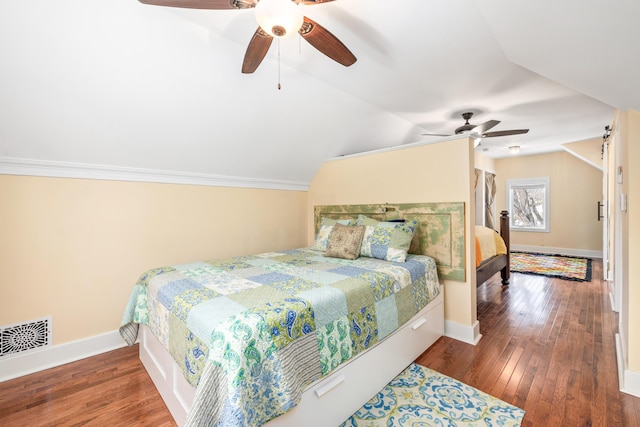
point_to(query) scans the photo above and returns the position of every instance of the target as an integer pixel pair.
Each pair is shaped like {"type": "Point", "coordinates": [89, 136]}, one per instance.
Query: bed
{"type": "Point", "coordinates": [492, 252]}
{"type": "Point", "coordinates": [286, 337]}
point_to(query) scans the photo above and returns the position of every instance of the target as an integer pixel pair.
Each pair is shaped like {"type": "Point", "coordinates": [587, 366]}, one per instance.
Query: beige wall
{"type": "Point", "coordinates": [631, 233]}
{"type": "Point", "coordinates": [74, 248]}
{"type": "Point", "coordinates": [423, 173]}
{"type": "Point", "coordinates": [590, 150]}
{"type": "Point", "coordinates": [575, 188]}
{"type": "Point", "coordinates": [483, 162]}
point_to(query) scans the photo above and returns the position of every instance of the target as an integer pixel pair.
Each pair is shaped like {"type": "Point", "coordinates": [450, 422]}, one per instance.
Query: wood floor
{"type": "Point", "coordinates": [109, 390]}
{"type": "Point", "coordinates": [548, 347]}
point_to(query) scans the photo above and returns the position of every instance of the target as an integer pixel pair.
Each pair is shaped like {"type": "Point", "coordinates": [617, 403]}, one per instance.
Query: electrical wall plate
{"type": "Point", "coordinates": [619, 174]}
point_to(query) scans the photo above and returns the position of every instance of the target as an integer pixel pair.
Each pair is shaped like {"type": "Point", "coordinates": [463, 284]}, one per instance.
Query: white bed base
{"type": "Point", "coordinates": [326, 402]}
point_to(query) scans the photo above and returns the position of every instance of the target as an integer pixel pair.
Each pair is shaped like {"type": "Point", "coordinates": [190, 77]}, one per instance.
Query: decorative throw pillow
{"type": "Point", "coordinates": [345, 241]}
{"type": "Point", "coordinates": [326, 227]}
{"type": "Point", "coordinates": [365, 220]}
{"type": "Point", "coordinates": [386, 240]}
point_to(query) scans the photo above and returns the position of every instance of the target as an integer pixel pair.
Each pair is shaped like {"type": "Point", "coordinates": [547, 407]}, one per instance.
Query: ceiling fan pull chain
{"type": "Point", "coordinates": [279, 63]}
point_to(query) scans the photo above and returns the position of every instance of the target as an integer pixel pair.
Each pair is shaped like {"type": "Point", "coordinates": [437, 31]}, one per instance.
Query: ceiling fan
{"type": "Point", "coordinates": [480, 131]}
{"type": "Point", "coordinates": [276, 18]}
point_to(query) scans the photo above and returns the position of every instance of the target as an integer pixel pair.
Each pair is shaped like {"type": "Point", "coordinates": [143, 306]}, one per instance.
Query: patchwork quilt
{"type": "Point", "coordinates": [252, 332]}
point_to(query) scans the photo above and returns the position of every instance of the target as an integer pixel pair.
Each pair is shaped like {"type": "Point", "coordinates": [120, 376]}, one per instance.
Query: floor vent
{"type": "Point", "coordinates": [24, 337]}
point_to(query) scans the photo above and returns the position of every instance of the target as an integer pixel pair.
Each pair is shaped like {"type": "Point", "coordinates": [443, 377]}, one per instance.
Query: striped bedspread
{"type": "Point", "coordinates": [252, 332]}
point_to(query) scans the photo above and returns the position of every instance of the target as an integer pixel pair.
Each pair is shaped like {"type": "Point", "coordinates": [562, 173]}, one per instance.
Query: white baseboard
{"type": "Point", "coordinates": [557, 251]}
{"type": "Point", "coordinates": [629, 381]}
{"type": "Point", "coordinates": [50, 357]}
{"type": "Point", "coordinates": [468, 334]}
{"type": "Point", "coordinates": [612, 301]}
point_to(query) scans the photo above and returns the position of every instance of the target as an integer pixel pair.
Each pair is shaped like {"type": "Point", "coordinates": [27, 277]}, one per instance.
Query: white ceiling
{"type": "Point", "coordinates": [117, 82]}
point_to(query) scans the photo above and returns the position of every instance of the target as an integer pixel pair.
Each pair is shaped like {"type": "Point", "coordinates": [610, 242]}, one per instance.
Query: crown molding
{"type": "Point", "coordinates": [55, 169]}
{"type": "Point", "coordinates": [397, 147]}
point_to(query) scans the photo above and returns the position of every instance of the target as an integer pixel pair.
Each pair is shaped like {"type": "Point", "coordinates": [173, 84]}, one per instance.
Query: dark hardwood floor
{"type": "Point", "coordinates": [109, 390]}
{"type": "Point", "coordinates": [548, 347]}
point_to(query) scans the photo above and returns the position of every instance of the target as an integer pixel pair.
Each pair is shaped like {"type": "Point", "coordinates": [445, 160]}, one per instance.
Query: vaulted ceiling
{"type": "Point", "coordinates": [120, 83]}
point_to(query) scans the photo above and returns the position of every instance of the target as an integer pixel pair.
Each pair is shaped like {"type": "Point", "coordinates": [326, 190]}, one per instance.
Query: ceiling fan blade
{"type": "Point", "coordinates": [481, 129]}
{"type": "Point", "coordinates": [325, 42]}
{"type": "Point", "coordinates": [504, 133]}
{"type": "Point", "coordinates": [203, 4]}
{"type": "Point", "coordinates": [256, 51]}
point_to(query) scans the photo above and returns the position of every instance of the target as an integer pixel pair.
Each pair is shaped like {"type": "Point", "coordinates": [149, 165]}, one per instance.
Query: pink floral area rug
{"type": "Point", "coordinates": [558, 266]}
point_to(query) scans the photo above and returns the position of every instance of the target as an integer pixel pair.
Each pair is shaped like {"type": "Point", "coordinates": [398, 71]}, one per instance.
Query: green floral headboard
{"type": "Point", "coordinates": [439, 234]}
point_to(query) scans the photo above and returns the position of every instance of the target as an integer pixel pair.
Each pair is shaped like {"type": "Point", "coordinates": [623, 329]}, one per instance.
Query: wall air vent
{"type": "Point", "coordinates": [25, 337]}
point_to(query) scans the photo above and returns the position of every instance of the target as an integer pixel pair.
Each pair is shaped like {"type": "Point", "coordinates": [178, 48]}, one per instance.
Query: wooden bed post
{"type": "Point", "coordinates": [504, 233]}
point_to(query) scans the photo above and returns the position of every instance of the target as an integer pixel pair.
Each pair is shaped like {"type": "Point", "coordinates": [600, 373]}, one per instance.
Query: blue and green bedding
{"type": "Point", "coordinates": [251, 332]}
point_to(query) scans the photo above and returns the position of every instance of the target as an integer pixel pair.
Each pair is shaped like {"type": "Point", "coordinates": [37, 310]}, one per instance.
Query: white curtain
{"type": "Point", "coordinates": [489, 198]}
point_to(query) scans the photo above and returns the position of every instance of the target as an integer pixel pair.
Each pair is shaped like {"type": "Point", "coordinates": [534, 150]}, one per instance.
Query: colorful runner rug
{"type": "Point", "coordinates": [422, 397]}
{"type": "Point", "coordinates": [559, 266]}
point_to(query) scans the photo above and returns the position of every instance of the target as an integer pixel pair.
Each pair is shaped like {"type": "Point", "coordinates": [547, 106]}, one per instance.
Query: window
{"type": "Point", "coordinates": [528, 204]}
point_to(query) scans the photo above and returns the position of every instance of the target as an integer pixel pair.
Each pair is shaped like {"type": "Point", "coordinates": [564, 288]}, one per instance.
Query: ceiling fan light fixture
{"type": "Point", "coordinates": [514, 149]}
{"type": "Point", "coordinates": [279, 18]}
